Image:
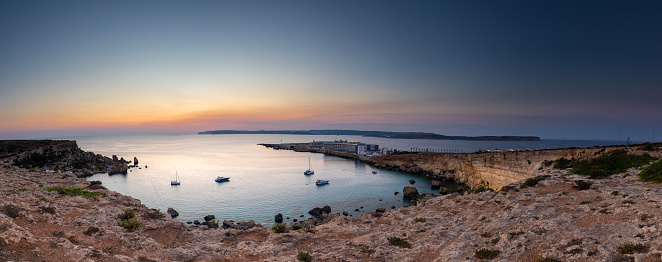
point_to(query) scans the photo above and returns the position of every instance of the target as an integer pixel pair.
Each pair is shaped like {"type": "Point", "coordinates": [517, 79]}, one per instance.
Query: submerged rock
{"type": "Point", "coordinates": [411, 181]}
{"type": "Point", "coordinates": [209, 217]}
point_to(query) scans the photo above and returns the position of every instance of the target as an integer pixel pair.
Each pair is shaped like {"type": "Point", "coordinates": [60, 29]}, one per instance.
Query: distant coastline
{"type": "Point", "coordinates": [384, 134]}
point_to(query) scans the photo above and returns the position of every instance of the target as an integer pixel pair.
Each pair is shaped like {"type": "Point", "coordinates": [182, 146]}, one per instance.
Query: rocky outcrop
{"type": "Point", "coordinates": [135, 161]}
{"type": "Point", "coordinates": [172, 212]}
{"type": "Point", "coordinates": [495, 169]}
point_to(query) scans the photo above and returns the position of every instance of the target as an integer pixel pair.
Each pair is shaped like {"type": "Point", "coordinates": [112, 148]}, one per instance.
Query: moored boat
{"type": "Point", "coordinates": [222, 179]}
{"type": "Point", "coordinates": [176, 182]}
{"type": "Point", "coordinates": [309, 171]}
{"type": "Point", "coordinates": [321, 182]}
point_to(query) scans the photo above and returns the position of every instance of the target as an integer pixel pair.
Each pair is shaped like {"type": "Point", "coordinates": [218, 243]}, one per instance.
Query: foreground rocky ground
{"type": "Point", "coordinates": [553, 219]}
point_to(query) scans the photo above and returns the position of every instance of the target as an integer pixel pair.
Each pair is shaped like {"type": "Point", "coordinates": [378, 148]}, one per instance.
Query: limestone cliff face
{"type": "Point", "coordinates": [496, 169]}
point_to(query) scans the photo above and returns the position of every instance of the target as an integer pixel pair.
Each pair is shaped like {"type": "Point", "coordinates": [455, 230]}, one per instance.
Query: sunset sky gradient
{"type": "Point", "coordinates": [554, 69]}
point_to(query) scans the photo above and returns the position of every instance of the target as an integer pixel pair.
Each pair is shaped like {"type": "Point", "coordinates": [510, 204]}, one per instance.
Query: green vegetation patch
{"type": "Point", "coordinates": [304, 256]}
{"type": "Point", "coordinates": [396, 241]}
{"type": "Point", "coordinates": [278, 228]}
{"type": "Point", "coordinates": [132, 224]}
{"type": "Point", "coordinates": [631, 248]}
{"type": "Point", "coordinates": [652, 173]}
{"type": "Point", "coordinates": [485, 253]}
{"type": "Point", "coordinates": [532, 181]}
{"type": "Point", "coordinates": [618, 161]}
{"type": "Point", "coordinates": [75, 191]}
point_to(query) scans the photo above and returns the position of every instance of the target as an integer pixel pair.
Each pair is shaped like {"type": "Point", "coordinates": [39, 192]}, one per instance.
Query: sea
{"type": "Point", "coordinates": [265, 182]}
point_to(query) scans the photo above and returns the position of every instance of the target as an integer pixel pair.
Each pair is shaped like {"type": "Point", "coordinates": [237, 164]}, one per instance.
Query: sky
{"type": "Point", "coordinates": [553, 69]}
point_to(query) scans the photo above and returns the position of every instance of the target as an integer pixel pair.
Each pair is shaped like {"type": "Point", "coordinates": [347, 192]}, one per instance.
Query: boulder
{"type": "Point", "coordinates": [411, 181]}
{"type": "Point", "coordinates": [396, 193]}
{"type": "Point", "coordinates": [246, 225]}
{"type": "Point", "coordinates": [326, 209]}
{"type": "Point", "coordinates": [95, 185]}
{"type": "Point", "coordinates": [380, 210]}
{"type": "Point", "coordinates": [209, 217]}
{"type": "Point", "coordinates": [227, 224]}
{"type": "Point", "coordinates": [115, 158]}
{"type": "Point", "coordinates": [196, 222]}
{"type": "Point", "coordinates": [135, 160]}
{"type": "Point", "coordinates": [344, 213]}
{"type": "Point", "coordinates": [278, 218]}
{"type": "Point", "coordinates": [435, 184]}
{"type": "Point", "coordinates": [410, 191]}
{"type": "Point", "coordinates": [172, 212]}
{"type": "Point", "coordinates": [315, 212]}
{"type": "Point", "coordinates": [443, 190]}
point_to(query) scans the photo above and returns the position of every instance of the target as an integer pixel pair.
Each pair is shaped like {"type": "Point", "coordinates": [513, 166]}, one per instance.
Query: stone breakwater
{"type": "Point", "coordinates": [553, 219]}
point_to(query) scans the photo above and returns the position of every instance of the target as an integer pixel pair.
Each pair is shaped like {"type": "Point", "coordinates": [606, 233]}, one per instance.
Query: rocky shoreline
{"type": "Point", "coordinates": [42, 218]}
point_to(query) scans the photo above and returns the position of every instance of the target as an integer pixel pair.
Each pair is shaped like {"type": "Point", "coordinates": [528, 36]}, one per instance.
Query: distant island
{"type": "Point", "coordinates": [384, 134]}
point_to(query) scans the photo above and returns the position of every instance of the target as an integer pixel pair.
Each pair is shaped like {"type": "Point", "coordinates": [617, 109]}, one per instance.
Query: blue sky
{"type": "Point", "coordinates": [554, 69]}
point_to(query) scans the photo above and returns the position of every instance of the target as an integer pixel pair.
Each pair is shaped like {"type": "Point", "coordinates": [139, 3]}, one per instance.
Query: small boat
{"type": "Point", "coordinates": [176, 181]}
{"type": "Point", "coordinates": [308, 172]}
{"type": "Point", "coordinates": [320, 182]}
{"type": "Point", "coordinates": [222, 179]}
{"type": "Point", "coordinates": [374, 172]}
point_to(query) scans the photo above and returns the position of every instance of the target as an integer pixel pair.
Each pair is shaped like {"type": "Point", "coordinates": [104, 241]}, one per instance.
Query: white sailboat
{"type": "Point", "coordinates": [309, 172]}
{"type": "Point", "coordinates": [176, 181]}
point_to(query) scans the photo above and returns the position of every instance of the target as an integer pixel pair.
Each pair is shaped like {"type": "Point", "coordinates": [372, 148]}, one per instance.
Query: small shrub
{"type": "Point", "coordinates": [615, 193]}
{"type": "Point", "coordinates": [132, 224]}
{"type": "Point", "coordinates": [516, 233]}
{"type": "Point", "coordinates": [563, 163]}
{"type": "Point", "coordinates": [296, 227]}
{"type": "Point", "coordinates": [11, 211]}
{"type": "Point", "coordinates": [495, 240]}
{"type": "Point", "coordinates": [584, 202]}
{"type": "Point", "coordinates": [304, 256]}
{"type": "Point", "coordinates": [583, 184]}
{"type": "Point", "coordinates": [367, 250]}
{"type": "Point", "coordinates": [155, 214]}
{"type": "Point", "coordinates": [532, 181]}
{"type": "Point", "coordinates": [73, 240]}
{"type": "Point", "coordinates": [486, 234]}
{"type": "Point", "coordinates": [91, 230]}
{"type": "Point", "coordinates": [627, 202]}
{"type": "Point", "coordinates": [128, 214]}
{"type": "Point", "coordinates": [631, 248]}
{"type": "Point", "coordinates": [485, 253]}
{"type": "Point", "coordinates": [540, 231]}
{"type": "Point", "coordinates": [278, 228]}
{"type": "Point", "coordinates": [576, 241]}
{"type": "Point", "coordinates": [213, 223]}
{"type": "Point", "coordinates": [420, 219]}
{"type": "Point", "coordinates": [644, 217]}
{"type": "Point", "coordinates": [396, 241]}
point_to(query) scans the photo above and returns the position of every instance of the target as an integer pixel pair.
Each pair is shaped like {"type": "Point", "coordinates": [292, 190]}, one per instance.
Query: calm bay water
{"type": "Point", "coordinates": [264, 181]}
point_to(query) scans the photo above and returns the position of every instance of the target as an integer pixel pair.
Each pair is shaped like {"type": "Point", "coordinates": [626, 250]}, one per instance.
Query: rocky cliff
{"type": "Point", "coordinates": [494, 169]}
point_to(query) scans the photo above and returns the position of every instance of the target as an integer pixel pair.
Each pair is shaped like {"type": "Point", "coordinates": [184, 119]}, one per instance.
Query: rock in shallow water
{"type": "Point", "coordinates": [278, 218]}
{"type": "Point", "coordinates": [172, 212]}
{"type": "Point", "coordinates": [410, 191]}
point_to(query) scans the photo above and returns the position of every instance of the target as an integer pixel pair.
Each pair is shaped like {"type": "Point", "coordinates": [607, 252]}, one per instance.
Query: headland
{"type": "Point", "coordinates": [555, 215]}
{"type": "Point", "coordinates": [384, 134]}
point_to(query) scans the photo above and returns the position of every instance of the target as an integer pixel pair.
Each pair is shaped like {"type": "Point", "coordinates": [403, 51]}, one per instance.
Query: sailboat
{"type": "Point", "coordinates": [176, 182]}
{"type": "Point", "coordinates": [309, 172]}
